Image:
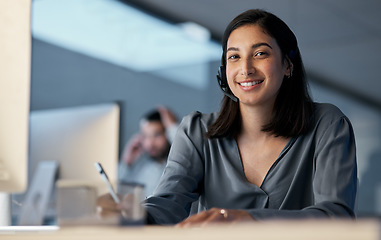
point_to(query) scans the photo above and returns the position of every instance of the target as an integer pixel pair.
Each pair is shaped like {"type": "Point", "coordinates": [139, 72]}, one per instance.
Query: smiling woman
{"type": "Point", "coordinates": [293, 105]}
{"type": "Point", "coordinates": [271, 152]}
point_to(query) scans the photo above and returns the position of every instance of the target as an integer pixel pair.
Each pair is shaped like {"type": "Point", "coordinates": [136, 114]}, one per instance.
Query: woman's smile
{"type": "Point", "coordinates": [250, 84]}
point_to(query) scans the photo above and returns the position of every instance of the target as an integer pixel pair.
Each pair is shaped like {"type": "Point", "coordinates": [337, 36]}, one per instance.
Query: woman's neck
{"type": "Point", "coordinates": [253, 119]}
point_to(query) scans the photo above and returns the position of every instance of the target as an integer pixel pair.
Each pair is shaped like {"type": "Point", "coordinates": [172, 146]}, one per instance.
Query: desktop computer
{"type": "Point", "coordinates": [64, 144]}
{"type": "Point", "coordinates": [15, 48]}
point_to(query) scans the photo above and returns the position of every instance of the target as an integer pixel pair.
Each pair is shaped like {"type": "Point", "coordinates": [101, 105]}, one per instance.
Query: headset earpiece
{"type": "Point", "coordinates": [223, 83]}
{"type": "Point", "coordinates": [221, 78]}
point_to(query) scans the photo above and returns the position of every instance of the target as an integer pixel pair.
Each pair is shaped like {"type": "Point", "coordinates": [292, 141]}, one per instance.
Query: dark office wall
{"type": "Point", "coordinates": [63, 78]}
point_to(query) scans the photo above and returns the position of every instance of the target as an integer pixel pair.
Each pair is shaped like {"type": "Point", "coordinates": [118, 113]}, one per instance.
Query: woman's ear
{"type": "Point", "coordinates": [290, 67]}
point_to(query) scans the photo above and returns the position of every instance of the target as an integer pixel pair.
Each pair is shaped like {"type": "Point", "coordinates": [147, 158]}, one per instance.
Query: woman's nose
{"type": "Point", "coordinates": [247, 67]}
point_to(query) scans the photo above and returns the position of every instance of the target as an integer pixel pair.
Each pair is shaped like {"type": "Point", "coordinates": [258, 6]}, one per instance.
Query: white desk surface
{"type": "Point", "coordinates": [306, 230]}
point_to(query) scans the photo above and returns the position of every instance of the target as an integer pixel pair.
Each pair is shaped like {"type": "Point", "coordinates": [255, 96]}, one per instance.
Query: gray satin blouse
{"type": "Point", "coordinates": [315, 175]}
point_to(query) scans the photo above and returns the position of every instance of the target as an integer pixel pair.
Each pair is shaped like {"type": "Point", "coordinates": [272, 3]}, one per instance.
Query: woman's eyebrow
{"type": "Point", "coordinates": [232, 49]}
{"type": "Point", "coordinates": [253, 46]}
{"type": "Point", "coordinates": [261, 44]}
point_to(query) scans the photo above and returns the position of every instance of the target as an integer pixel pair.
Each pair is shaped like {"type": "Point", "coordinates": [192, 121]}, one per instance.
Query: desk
{"type": "Point", "coordinates": [306, 230]}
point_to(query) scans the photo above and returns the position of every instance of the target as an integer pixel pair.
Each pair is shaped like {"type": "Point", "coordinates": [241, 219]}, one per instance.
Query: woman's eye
{"type": "Point", "coordinates": [260, 54]}
{"type": "Point", "coordinates": [233, 57]}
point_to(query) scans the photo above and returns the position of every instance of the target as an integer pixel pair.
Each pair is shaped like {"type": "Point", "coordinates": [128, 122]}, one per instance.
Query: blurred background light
{"type": "Point", "coordinates": [117, 33]}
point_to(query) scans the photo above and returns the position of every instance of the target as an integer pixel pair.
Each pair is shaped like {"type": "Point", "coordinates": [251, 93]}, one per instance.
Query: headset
{"type": "Point", "coordinates": [223, 83]}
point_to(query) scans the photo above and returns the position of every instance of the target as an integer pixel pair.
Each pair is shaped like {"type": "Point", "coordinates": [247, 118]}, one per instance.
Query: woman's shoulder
{"type": "Point", "coordinates": [327, 110]}
{"type": "Point", "coordinates": [205, 118]}
{"type": "Point", "coordinates": [327, 114]}
{"type": "Point", "coordinates": [198, 119]}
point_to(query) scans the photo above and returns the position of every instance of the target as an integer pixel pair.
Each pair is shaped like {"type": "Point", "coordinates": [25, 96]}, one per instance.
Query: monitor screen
{"type": "Point", "coordinates": [15, 48]}
{"type": "Point", "coordinates": [76, 138]}
{"type": "Point", "coordinates": [15, 52]}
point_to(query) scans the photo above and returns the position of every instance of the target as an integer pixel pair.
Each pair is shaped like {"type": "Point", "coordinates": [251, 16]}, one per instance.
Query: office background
{"type": "Point", "coordinates": [71, 65]}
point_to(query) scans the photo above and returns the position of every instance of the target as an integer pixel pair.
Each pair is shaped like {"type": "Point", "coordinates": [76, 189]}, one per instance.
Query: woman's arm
{"type": "Point", "coordinates": [178, 187]}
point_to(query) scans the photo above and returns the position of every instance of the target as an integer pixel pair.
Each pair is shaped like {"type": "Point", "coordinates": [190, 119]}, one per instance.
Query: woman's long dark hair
{"type": "Point", "coordinates": [293, 105]}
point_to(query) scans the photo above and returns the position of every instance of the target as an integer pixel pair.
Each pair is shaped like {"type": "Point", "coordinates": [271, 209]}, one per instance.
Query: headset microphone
{"type": "Point", "coordinates": [223, 83]}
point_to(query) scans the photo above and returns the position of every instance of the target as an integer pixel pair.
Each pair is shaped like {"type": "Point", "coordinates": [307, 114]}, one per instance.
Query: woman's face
{"type": "Point", "coordinates": [254, 66]}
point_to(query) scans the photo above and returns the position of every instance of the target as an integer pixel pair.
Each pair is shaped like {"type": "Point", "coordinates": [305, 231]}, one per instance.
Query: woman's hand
{"type": "Point", "coordinates": [106, 206]}
{"type": "Point", "coordinates": [215, 216]}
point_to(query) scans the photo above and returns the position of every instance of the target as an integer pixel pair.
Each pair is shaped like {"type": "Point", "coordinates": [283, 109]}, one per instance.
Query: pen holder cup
{"type": "Point", "coordinates": [75, 200]}
{"type": "Point", "coordinates": [131, 197]}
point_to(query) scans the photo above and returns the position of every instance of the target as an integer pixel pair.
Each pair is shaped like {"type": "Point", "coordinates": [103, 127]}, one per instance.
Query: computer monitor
{"type": "Point", "coordinates": [76, 138]}
{"type": "Point", "coordinates": [15, 48]}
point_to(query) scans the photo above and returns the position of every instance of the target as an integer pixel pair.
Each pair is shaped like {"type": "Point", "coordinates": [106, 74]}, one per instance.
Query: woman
{"type": "Point", "coordinates": [270, 152]}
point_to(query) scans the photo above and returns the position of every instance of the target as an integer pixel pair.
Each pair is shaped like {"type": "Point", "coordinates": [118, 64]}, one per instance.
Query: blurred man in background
{"type": "Point", "coordinates": [145, 155]}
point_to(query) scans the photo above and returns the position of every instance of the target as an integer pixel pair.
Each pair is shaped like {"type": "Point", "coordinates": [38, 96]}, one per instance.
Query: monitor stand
{"type": "Point", "coordinates": [5, 209]}
{"type": "Point", "coordinates": [38, 195]}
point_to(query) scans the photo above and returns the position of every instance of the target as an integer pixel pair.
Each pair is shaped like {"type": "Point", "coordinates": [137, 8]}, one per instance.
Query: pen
{"type": "Point", "coordinates": [103, 174]}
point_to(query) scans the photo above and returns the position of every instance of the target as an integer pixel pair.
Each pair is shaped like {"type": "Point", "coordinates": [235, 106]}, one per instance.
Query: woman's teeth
{"type": "Point", "coordinates": [248, 84]}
